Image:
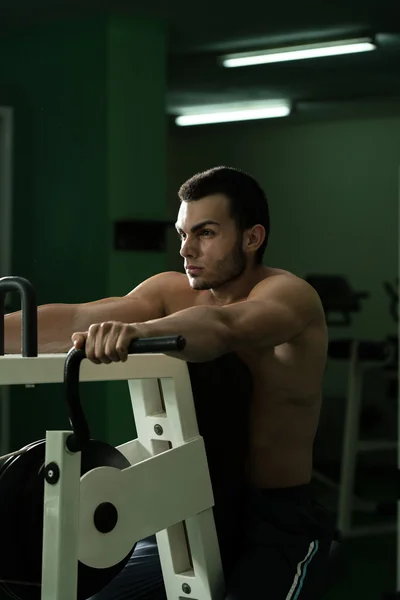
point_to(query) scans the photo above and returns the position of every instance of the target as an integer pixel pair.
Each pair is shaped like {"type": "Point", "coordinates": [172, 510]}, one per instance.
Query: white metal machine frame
{"type": "Point", "coordinates": [166, 490]}
{"type": "Point", "coordinates": [353, 446]}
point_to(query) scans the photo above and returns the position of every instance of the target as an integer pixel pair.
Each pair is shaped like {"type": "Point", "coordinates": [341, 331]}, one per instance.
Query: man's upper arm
{"type": "Point", "coordinates": [144, 303]}
{"type": "Point", "coordinates": [277, 310]}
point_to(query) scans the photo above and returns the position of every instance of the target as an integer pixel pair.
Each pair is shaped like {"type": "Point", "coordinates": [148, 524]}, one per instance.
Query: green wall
{"type": "Point", "coordinates": [136, 132]}
{"type": "Point", "coordinates": [89, 136]}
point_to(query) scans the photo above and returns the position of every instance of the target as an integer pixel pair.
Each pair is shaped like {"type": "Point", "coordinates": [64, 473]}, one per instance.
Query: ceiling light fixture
{"type": "Point", "coordinates": [226, 113]}
{"type": "Point", "coordinates": [261, 57]}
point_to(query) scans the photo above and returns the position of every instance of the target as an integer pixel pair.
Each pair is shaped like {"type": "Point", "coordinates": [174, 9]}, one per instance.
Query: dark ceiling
{"type": "Point", "coordinates": [198, 32]}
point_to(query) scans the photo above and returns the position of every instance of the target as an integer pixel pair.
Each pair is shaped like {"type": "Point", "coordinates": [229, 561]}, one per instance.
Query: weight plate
{"type": "Point", "coordinates": [21, 518]}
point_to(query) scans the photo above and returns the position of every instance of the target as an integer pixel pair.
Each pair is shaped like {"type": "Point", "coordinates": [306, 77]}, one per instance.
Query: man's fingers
{"type": "Point", "coordinates": [123, 342]}
{"type": "Point", "coordinates": [78, 340]}
{"type": "Point", "coordinates": [91, 342]}
{"type": "Point", "coordinates": [110, 343]}
{"type": "Point", "coordinates": [100, 334]}
{"type": "Point", "coordinates": [82, 341]}
{"type": "Point", "coordinates": [105, 342]}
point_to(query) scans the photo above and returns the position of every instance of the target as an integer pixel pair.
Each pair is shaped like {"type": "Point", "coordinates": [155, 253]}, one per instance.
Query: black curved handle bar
{"type": "Point", "coordinates": [29, 313]}
{"type": "Point", "coordinates": [81, 433]}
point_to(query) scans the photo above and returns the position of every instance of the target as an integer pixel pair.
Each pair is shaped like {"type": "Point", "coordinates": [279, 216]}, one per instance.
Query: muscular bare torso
{"type": "Point", "coordinates": [287, 397]}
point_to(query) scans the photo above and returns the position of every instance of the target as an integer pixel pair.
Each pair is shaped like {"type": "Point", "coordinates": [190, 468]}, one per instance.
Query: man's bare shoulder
{"type": "Point", "coordinates": [287, 288]}
{"type": "Point", "coordinates": [272, 277]}
{"type": "Point", "coordinates": [159, 282]}
{"type": "Point", "coordinates": [171, 288]}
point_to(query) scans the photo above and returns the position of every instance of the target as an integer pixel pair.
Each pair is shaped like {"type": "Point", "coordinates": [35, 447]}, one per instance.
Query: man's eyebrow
{"type": "Point", "coordinates": [199, 225]}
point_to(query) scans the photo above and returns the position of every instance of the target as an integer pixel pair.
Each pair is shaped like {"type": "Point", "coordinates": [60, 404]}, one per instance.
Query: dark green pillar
{"type": "Point", "coordinates": [136, 167]}
{"type": "Point", "coordinates": [89, 105]}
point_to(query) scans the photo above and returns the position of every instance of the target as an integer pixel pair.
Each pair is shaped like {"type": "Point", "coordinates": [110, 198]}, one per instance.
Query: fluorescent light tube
{"type": "Point", "coordinates": [237, 112]}
{"type": "Point", "coordinates": [245, 59]}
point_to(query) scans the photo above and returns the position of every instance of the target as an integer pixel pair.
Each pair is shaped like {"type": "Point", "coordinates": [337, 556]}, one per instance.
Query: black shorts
{"type": "Point", "coordinates": [284, 550]}
{"type": "Point", "coordinates": [281, 551]}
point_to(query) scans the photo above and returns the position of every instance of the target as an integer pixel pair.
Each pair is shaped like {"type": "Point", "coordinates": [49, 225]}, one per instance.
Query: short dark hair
{"type": "Point", "coordinates": [248, 202]}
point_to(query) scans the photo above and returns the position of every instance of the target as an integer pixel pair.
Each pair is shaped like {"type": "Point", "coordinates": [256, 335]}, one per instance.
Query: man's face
{"type": "Point", "coordinates": [210, 243]}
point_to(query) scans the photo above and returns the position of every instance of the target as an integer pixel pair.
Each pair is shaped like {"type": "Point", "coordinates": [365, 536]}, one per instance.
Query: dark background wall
{"type": "Point", "coordinates": [83, 159]}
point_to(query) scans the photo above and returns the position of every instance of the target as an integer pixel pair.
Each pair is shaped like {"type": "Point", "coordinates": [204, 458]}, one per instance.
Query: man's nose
{"type": "Point", "coordinates": [187, 248]}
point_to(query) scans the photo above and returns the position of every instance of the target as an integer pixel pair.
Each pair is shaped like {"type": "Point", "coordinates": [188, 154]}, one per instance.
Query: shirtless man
{"type": "Point", "coordinates": [229, 302]}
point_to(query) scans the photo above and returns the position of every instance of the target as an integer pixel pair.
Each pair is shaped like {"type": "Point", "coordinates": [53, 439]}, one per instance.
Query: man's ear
{"type": "Point", "coordinates": [253, 238]}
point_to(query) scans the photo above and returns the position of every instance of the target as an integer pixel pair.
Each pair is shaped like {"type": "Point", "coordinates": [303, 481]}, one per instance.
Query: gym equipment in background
{"type": "Point", "coordinates": [393, 292]}
{"type": "Point", "coordinates": [338, 298]}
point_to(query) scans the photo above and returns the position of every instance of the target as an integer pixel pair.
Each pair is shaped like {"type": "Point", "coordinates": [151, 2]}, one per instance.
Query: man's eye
{"type": "Point", "coordinates": [206, 232]}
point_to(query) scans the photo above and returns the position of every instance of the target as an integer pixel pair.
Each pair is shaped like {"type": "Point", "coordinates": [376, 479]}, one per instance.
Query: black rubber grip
{"type": "Point", "coordinates": [172, 343]}
{"type": "Point", "coordinates": [76, 414]}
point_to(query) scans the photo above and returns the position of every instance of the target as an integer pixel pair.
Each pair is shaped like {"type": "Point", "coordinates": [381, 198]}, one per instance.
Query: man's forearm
{"type": "Point", "coordinates": [55, 327]}
{"type": "Point", "coordinates": [205, 329]}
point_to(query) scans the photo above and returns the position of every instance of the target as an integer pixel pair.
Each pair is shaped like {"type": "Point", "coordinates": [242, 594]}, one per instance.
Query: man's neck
{"type": "Point", "coordinates": [238, 290]}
